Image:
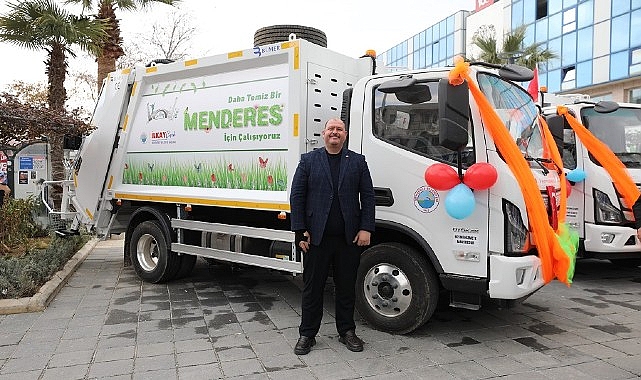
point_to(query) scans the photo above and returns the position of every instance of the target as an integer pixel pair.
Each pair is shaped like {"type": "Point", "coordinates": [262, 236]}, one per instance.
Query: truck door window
{"type": "Point", "coordinates": [517, 111]}
{"type": "Point", "coordinates": [619, 130]}
{"type": "Point", "coordinates": [414, 127]}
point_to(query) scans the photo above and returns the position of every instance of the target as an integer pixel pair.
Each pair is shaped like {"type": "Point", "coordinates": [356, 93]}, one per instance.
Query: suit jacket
{"type": "Point", "coordinates": [312, 193]}
{"type": "Point", "coordinates": [636, 211]}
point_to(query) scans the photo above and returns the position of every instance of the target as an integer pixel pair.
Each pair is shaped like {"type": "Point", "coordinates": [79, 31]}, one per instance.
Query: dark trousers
{"type": "Point", "coordinates": [344, 258]}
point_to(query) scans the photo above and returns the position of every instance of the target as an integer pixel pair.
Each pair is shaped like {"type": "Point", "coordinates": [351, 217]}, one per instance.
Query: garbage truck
{"type": "Point", "coordinates": [595, 209]}
{"type": "Point", "coordinates": [195, 159]}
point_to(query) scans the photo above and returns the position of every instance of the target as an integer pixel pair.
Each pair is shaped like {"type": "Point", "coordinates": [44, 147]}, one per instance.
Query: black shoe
{"type": "Point", "coordinates": [304, 345]}
{"type": "Point", "coordinates": [351, 341]}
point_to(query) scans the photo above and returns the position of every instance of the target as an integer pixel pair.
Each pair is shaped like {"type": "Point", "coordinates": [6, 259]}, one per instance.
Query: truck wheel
{"type": "Point", "coordinates": [187, 263]}
{"type": "Point", "coordinates": [396, 288]}
{"type": "Point", "coordinates": [150, 255]}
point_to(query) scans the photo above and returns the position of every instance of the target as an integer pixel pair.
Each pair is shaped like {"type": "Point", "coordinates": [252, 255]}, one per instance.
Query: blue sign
{"type": "Point", "coordinates": [26, 163]}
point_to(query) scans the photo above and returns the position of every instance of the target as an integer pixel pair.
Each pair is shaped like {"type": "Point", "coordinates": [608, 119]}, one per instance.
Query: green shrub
{"type": "Point", "coordinates": [22, 276]}
{"type": "Point", "coordinates": [18, 226]}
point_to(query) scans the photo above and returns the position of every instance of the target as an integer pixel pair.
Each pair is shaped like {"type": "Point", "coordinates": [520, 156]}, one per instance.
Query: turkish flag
{"type": "Point", "coordinates": [533, 87]}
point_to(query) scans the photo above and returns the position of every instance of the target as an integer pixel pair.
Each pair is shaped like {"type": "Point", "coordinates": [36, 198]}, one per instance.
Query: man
{"type": "Point", "coordinates": [636, 211]}
{"type": "Point", "coordinates": [5, 190]}
{"type": "Point", "coordinates": [332, 213]}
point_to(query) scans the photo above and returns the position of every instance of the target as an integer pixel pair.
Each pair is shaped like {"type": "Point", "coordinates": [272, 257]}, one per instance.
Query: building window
{"type": "Point", "coordinates": [620, 7]}
{"type": "Point", "coordinates": [541, 9]}
{"type": "Point", "coordinates": [584, 45]}
{"type": "Point", "coordinates": [635, 62]}
{"type": "Point", "coordinates": [634, 95]}
{"type": "Point", "coordinates": [569, 49]}
{"type": "Point", "coordinates": [585, 14]}
{"type": "Point", "coordinates": [620, 37]}
{"type": "Point", "coordinates": [569, 78]}
{"type": "Point", "coordinates": [569, 20]}
{"type": "Point", "coordinates": [542, 30]}
{"type": "Point", "coordinates": [635, 24]}
{"type": "Point", "coordinates": [619, 65]}
{"type": "Point", "coordinates": [601, 97]}
{"type": "Point", "coordinates": [517, 14]}
{"type": "Point", "coordinates": [584, 74]}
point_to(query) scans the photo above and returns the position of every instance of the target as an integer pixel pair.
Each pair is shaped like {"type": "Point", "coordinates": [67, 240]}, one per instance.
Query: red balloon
{"type": "Point", "coordinates": [441, 176]}
{"type": "Point", "coordinates": [568, 188]}
{"type": "Point", "coordinates": [480, 176]}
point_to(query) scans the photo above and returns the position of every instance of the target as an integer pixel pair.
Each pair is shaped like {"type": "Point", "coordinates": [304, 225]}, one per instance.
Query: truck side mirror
{"type": "Point", "coordinates": [453, 115]}
{"type": "Point", "coordinates": [606, 106]}
{"type": "Point", "coordinates": [556, 124]}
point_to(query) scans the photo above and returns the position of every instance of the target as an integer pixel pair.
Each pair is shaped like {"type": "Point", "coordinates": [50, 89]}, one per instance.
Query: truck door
{"type": "Point", "coordinates": [95, 155]}
{"type": "Point", "coordinates": [400, 140]}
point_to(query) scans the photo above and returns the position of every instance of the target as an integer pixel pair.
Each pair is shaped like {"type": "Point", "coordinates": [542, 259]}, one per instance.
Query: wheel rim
{"type": "Point", "coordinates": [387, 290]}
{"type": "Point", "coordinates": [147, 252]}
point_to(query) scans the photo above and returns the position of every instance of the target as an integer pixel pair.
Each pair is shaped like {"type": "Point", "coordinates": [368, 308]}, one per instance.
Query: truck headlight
{"type": "Point", "coordinates": [516, 232]}
{"type": "Point", "coordinates": [604, 211]}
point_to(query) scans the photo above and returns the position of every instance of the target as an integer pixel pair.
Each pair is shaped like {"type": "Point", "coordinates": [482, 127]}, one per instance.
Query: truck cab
{"type": "Point", "coordinates": [488, 254]}
{"type": "Point", "coordinates": [594, 208]}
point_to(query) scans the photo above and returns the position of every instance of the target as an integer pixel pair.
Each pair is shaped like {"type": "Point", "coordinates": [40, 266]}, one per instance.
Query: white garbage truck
{"type": "Point", "coordinates": [195, 159]}
{"type": "Point", "coordinates": [595, 209]}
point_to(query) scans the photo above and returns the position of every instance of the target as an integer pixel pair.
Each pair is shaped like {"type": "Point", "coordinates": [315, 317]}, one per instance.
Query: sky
{"type": "Point", "coordinates": [351, 26]}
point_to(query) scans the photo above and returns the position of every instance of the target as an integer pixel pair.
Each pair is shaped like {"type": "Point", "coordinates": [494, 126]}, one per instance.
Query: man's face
{"type": "Point", "coordinates": [334, 134]}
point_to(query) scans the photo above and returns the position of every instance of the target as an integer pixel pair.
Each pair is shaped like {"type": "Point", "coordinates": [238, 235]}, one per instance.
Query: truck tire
{"type": "Point", "coordinates": [187, 263]}
{"type": "Point", "coordinates": [280, 33]}
{"type": "Point", "coordinates": [396, 288]}
{"type": "Point", "coordinates": [150, 254]}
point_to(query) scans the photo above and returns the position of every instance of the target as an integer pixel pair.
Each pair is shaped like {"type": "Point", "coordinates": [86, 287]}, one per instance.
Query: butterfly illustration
{"type": "Point", "coordinates": [198, 167]}
{"type": "Point", "coordinates": [150, 166]}
{"type": "Point", "coordinates": [230, 167]}
{"type": "Point", "coordinates": [262, 163]}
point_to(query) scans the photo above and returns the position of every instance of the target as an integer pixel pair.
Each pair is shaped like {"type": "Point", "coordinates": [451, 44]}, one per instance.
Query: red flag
{"type": "Point", "coordinates": [533, 87]}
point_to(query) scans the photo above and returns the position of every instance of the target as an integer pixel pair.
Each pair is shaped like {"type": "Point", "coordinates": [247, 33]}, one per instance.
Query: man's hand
{"type": "Point", "coordinates": [362, 238]}
{"type": "Point", "coordinates": [302, 240]}
{"type": "Point", "coordinates": [639, 233]}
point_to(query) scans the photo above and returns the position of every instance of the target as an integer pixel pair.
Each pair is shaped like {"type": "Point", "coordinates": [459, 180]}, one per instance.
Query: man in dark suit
{"type": "Point", "coordinates": [332, 213]}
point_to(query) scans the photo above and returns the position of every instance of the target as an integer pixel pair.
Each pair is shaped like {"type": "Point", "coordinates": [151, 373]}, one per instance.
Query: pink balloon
{"type": "Point", "coordinates": [480, 176]}
{"type": "Point", "coordinates": [441, 176]}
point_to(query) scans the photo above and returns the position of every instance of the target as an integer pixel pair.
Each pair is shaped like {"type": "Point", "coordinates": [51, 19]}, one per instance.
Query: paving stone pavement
{"type": "Point", "coordinates": [224, 323]}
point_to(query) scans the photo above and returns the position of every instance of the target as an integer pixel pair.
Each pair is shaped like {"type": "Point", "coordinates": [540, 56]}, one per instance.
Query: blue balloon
{"type": "Point", "coordinates": [460, 202]}
{"type": "Point", "coordinates": [575, 175]}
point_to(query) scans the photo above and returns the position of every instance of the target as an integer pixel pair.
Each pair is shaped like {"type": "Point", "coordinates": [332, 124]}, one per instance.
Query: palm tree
{"type": "Point", "coordinates": [513, 49]}
{"type": "Point", "coordinates": [111, 49]}
{"type": "Point", "coordinates": [43, 25]}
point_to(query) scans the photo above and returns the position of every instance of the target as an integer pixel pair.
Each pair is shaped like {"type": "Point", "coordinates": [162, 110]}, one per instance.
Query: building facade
{"type": "Point", "coordinates": [598, 42]}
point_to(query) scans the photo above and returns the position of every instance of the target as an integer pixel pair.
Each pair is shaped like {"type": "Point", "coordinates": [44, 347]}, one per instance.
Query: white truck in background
{"type": "Point", "coordinates": [196, 158]}
{"type": "Point", "coordinates": [594, 207]}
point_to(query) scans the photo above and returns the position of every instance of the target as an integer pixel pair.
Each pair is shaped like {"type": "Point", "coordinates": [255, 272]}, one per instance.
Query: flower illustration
{"type": "Point", "coordinates": [270, 180]}
{"type": "Point", "coordinates": [230, 167]}
{"type": "Point", "coordinates": [243, 177]}
{"type": "Point", "coordinates": [213, 177]}
{"type": "Point", "coordinates": [140, 176]}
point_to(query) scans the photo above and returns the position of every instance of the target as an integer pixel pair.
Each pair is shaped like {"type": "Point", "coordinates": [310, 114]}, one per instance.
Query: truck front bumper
{"type": "Point", "coordinates": [514, 277]}
{"type": "Point", "coordinates": [611, 240]}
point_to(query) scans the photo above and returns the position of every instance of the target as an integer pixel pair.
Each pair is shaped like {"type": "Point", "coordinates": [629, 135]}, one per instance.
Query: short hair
{"type": "Point", "coordinates": [335, 119]}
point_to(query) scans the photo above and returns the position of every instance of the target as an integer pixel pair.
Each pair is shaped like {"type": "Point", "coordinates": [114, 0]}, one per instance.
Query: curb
{"type": "Point", "coordinates": [50, 289]}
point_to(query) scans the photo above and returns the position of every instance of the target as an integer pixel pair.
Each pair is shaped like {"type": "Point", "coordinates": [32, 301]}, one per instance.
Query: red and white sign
{"type": "Point", "coordinates": [480, 4]}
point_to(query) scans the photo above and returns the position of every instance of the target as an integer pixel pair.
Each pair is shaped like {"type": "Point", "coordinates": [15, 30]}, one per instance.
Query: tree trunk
{"type": "Point", "coordinates": [57, 71]}
{"type": "Point", "coordinates": [112, 49]}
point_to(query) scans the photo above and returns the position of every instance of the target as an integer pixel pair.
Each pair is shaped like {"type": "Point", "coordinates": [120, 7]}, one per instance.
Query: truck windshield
{"type": "Point", "coordinates": [517, 111]}
{"type": "Point", "coordinates": [620, 130]}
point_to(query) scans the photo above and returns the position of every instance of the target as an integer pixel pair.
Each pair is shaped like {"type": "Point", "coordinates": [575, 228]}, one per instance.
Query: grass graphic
{"type": "Point", "coordinates": [220, 175]}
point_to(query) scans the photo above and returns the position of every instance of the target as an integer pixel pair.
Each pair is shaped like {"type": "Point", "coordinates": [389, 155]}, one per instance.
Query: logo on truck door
{"type": "Point", "coordinates": [426, 199]}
